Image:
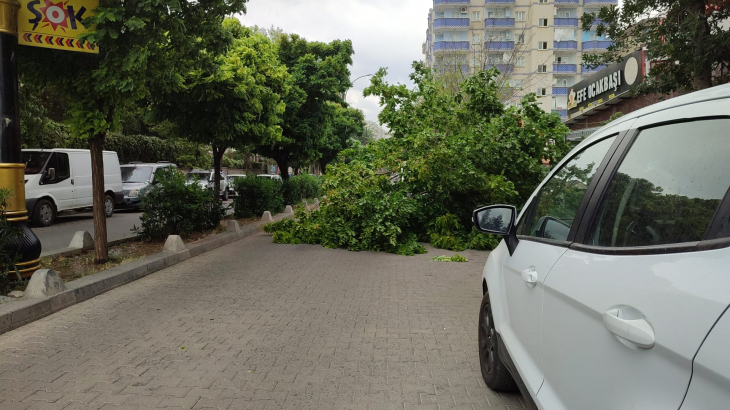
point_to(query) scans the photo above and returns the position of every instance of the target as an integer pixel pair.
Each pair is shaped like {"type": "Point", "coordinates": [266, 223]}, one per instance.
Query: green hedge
{"type": "Point", "coordinates": [302, 187]}
{"type": "Point", "coordinates": [257, 195]}
{"type": "Point", "coordinates": [176, 208]}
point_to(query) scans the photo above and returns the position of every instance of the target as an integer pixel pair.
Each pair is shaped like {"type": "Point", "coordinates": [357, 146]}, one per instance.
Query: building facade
{"type": "Point", "coordinates": [537, 45]}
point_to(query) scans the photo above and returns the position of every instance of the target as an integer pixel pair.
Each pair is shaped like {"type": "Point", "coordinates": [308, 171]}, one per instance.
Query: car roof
{"type": "Point", "coordinates": [715, 93]}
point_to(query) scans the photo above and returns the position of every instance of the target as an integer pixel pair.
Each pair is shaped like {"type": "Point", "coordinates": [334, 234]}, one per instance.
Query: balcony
{"type": "Point", "coordinates": [569, 69]}
{"type": "Point", "coordinates": [503, 68]}
{"type": "Point", "coordinates": [596, 45]}
{"type": "Point", "coordinates": [563, 113]}
{"type": "Point", "coordinates": [450, 45]}
{"type": "Point", "coordinates": [600, 2]}
{"type": "Point", "coordinates": [565, 45]}
{"type": "Point", "coordinates": [446, 24]}
{"type": "Point", "coordinates": [450, 3]}
{"type": "Point", "coordinates": [565, 22]}
{"type": "Point", "coordinates": [499, 2]}
{"type": "Point", "coordinates": [499, 45]}
{"type": "Point", "coordinates": [560, 90]}
{"type": "Point", "coordinates": [559, 3]}
{"type": "Point", "coordinates": [502, 22]}
{"type": "Point", "coordinates": [586, 70]}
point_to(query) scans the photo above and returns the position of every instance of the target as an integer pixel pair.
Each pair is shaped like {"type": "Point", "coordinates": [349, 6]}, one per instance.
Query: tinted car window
{"type": "Point", "coordinates": [34, 161]}
{"type": "Point", "coordinates": [553, 210]}
{"type": "Point", "coordinates": [668, 187]}
{"type": "Point", "coordinates": [64, 170]}
{"type": "Point", "coordinates": [136, 174]}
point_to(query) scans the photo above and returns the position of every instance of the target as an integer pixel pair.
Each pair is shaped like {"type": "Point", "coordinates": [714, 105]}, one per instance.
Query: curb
{"type": "Point", "coordinates": [75, 251]}
{"type": "Point", "coordinates": [23, 311]}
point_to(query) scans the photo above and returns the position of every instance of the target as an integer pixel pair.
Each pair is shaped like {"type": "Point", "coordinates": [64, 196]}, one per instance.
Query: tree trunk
{"type": "Point", "coordinates": [217, 159]}
{"type": "Point", "coordinates": [283, 162]}
{"type": "Point", "coordinates": [96, 146]}
{"type": "Point", "coordinates": [702, 77]}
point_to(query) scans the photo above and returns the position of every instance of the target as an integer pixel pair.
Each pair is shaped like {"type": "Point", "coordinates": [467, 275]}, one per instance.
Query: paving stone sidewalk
{"type": "Point", "coordinates": [256, 325]}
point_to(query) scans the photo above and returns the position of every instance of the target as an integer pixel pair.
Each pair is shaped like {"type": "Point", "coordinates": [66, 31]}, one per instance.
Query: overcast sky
{"type": "Point", "coordinates": [384, 33]}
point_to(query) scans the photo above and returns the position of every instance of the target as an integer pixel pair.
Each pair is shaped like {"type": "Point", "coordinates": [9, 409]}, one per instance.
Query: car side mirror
{"type": "Point", "coordinates": [51, 174]}
{"type": "Point", "coordinates": [498, 220]}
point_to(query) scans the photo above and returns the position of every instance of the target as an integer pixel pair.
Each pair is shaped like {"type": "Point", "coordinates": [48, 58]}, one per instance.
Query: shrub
{"type": "Point", "coordinates": [301, 187]}
{"type": "Point", "coordinates": [8, 255]}
{"type": "Point", "coordinates": [177, 208]}
{"type": "Point", "coordinates": [257, 195]}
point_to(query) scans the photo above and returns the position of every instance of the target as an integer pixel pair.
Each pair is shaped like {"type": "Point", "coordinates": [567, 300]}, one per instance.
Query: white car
{"type": "Point", "coordinates": [611, 287]}
{"type": "Point", "coordinates": [205, 180]}
{"type": "Point", "coordinates": [275, 177]}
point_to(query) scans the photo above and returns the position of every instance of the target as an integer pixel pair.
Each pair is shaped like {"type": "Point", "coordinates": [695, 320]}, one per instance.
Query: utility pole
{"type": "Point", "coordinates": [12, 168]}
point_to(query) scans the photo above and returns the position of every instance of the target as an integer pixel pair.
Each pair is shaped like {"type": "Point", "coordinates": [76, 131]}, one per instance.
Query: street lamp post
{"type": "Point", "coordinates": [12, 168]}
{"type": "Point", "coordinates": [353, 82]}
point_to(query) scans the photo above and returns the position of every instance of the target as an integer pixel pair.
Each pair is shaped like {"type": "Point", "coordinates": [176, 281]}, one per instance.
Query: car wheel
{"type": "Point", "coordinates": [108, 206]}
{"type": "Point", "coordinates": [494, 372]}
{"type": "Point", "coordinates": [44, 213]}
{"type": "Point", "coordinates": [225, 195]}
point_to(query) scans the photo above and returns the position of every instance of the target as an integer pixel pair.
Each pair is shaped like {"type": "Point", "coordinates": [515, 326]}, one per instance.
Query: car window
{"type": "Point", "coordinates": [64, 170]}
{"type": "Point", "coordinates": [553, 210]}
{"type": "Point", "coordinates": [136, 174]}
{"type": "Point", "coordinates": [34, 161]}
{"type": "Point", "coordinates": [668, 187]}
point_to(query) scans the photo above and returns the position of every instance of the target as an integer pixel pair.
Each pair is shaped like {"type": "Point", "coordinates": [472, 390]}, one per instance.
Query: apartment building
{"type": "Point", "coordinates": [537, 45]}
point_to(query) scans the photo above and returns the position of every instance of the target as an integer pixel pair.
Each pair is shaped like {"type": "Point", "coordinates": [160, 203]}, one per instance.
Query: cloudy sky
{"type": "Point", "coordinates": [385, 33]}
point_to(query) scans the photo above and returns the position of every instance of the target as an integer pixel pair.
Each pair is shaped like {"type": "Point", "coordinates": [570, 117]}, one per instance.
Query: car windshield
{"type": "Point", "coordinates": [136, 174]}
{"type": "Point", "coordinates": [34, 161]}
{"type": "Point", "coordinates": [203, 176]}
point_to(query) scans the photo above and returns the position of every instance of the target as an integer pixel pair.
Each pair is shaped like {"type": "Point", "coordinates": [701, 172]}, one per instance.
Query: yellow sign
{"type": "Point", "coordinates": [43, 23]}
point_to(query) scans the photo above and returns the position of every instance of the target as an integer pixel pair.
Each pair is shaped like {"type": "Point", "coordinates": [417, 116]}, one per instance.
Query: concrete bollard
{"type": "Point", "coordinates": [289, 210]}
{"type": "Point", "coordinates": [82, 240]}
{"type": "Point", "coordinates": [174, 244]}
{"type": "Point", "coordinates": [304, 201]}
{"type": "Point", "coordinates": [316, 201]}
{"type": "Point", "coordinates": [267, 217]}
{"type": "Point", "coordinates": [44, 283]}
{"type": "Point", "coordinates": [233, 226]}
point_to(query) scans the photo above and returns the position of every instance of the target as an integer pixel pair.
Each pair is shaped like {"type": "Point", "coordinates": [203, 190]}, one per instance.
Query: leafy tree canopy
{"type": "Point", "coordinates": [320, 74]}
{"type": "Point", "coordinates": [685, 39]}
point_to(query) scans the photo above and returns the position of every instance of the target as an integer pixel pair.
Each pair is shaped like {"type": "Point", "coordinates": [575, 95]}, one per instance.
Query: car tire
{"type": "Point", "coordinates": [108, 206]}
{"type": "Point", "coordinates": [44, 213]}
{"type": "Point", "coordinates": [494, 372]}
{"type": "Point", "coordinates": [225, 195]}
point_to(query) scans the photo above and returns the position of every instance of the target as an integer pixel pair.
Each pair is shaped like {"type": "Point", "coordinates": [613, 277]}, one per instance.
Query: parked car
{"type": "Point", "coordinates": [205, 180]}
{"type": "Point", "coordinates": [276, 177]}
{"type": "Point", "coordinates": [232, 182]}
{"type": "Point", "coordinates": [611, 287]}
{"type": "Point", "coordinates": [138, 178]}
{"type": "Point", "coordinates": [58, 180]}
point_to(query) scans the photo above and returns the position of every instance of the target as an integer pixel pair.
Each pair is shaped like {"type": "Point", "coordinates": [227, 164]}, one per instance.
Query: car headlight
{"type": "Point", "coordinates": [134, 193]}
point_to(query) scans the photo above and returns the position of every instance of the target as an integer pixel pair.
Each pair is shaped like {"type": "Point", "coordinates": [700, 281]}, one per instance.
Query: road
{"type": "Point", "coordinates": [59, 235]}
{"type": "Point", "coordinates": [256, 325]}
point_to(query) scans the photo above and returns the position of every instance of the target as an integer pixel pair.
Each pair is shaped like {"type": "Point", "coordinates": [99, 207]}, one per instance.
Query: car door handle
{"type": "Point", "coordinates": [637, 330]}
{"type": "Point", "coordinates": [530, 277]}
{"type": "Point", "coordinates": [72, 181]}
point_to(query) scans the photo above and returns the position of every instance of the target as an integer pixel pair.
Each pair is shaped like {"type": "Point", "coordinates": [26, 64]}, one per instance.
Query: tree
{"type": "Point", "coordinates": [320, 75]}
{"type": "Point", "coordinates": [136, 40]}
{"type": "Point", "coordinates": [233, 99]}
{"type": "Point", "coordinates": [345, 125]}
{"type": "Point", "coordinates": [684, 38]}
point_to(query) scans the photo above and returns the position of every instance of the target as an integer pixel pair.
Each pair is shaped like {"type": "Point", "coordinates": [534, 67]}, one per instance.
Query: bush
{"type": "Point", "coordinates": [8, 256]}
{"type": "Point", "coordinates": [257, 195]}
{"type": "Point", "coordinates": [301, 187]}
{"type": "Point", "coordinates": [176, 208]}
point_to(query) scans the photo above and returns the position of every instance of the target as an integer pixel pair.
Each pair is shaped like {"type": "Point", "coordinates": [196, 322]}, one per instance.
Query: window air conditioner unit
{"type": "Point", "coordinates": [464, 10]}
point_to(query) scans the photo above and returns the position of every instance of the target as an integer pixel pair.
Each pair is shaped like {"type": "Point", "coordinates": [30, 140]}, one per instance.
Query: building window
{"type": "Point", "coordinates": [542, 22]}
{"type": "Point", "coordinates": [543, 1]}
{"type": "Point", "coordinates": [542, 68]}
{"type": "Point", "coordinates": [520, 16]}
{"type": "Point", "coordinates": [555, 102]}
{"type": "Point", "coordinates": [476, 38]}
{"type": "Point", "coordinates": [541, 91]}
{"type": "Point", "coordinates": [520, 62]}
{"type": "Point", "coordinates": [562, 83]}
{"type": "Point", "coordinates": [542, 45]}
{"type": "Point", "coordinates": [564, 13]}
{"type": "Point", "coordinates": [521, 38]}
{"type": "Point", "coordinates": [476, 15]}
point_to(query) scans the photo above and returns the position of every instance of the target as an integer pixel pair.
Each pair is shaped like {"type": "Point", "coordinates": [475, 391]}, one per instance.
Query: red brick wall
{"type": "Point", "coordinates": [625, 106]}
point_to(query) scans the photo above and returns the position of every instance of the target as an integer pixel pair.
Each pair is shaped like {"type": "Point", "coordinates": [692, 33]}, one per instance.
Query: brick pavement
{"type": "Point", "coordinates": [256, 325]}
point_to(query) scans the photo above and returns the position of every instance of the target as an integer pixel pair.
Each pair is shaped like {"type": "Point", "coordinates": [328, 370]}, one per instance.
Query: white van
{"type": "Point", "coordinates": [58, 180]}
